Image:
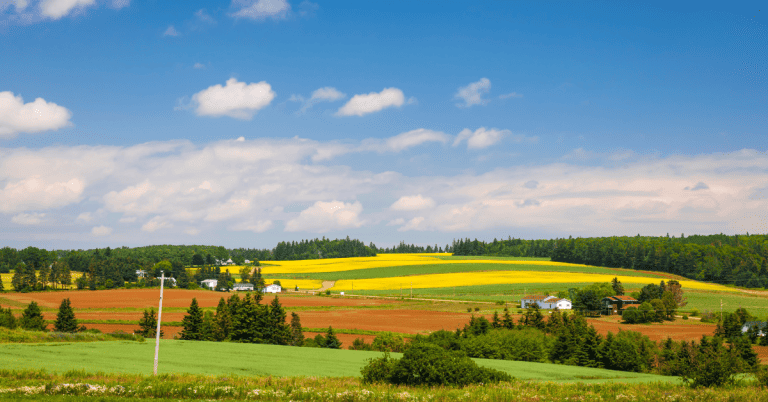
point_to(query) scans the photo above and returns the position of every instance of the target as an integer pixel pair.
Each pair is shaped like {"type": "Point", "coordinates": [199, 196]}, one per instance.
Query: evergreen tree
{"type": "Point", "coordinates": [297, 334]}
{"type": "Point", "coordinates": [193, 323]}
{"type": "Point", "coordinates": [618, 289]}
{"type": "Point", "coordinates": [331, 341]}
{"type": "Point", "coordinates": [209, 327]}
{"type": "Point", "coordinates": [65, 319]}
{"type": "Point", "coordinates": [148, 324]}
{"type": "Point", "coordinates": [2, 288]}
{"type": "Point", "coordinates": [32, 318]}
{"type": "Point", "coordinates": [508, 321]}
{"type": "Point", "coordinates": [247, 320]}
{"type": "Point", "coordinates": [223, 321]}
{"type": "Point", "coordinates": [280, 333]}
{"type": "Point", "coordinates": [496, 321]}
{"type": "Point", "coordinates": [7, 319]}
{"type": "Point", "coordinates": [533, 317]}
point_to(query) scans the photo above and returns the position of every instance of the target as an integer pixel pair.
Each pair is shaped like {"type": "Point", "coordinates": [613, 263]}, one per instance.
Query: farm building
{"type": "Point", "coordinates": [140, 273]}
{"type": "Point", "coordinates": [243, 287]}
{"type": "Point", "coordinates": [169, 281]}
{"type": "Point", "coordinates": [209, 283]}
{"type": "Point", "coordinates": [546, 302]}
{"type": "Point", "coordinates": [272, 289]}
{"type": "Point", "coordinates": [616, 304]}
{"type": "Point", "coordinates": [760, 325]}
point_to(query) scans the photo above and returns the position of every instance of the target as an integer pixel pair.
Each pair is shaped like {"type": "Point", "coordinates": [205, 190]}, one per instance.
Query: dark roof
{"type": "Point", "coordinates": [620, 298]}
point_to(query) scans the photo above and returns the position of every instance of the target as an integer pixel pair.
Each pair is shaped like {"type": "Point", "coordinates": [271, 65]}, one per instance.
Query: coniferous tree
{"type": "Point", "coordinates": [148, 324]}
{"type": "Point", "coordinates": [193, 323]}
{"type": "Point", "coordinates": [7, 319]}
{"type": "Point", "coordinates": [618, 289]}
{"type": "Point", "coordinates": [508, 321]}
{"type": "Point", "coordinates": [209, 327]}
{"type": "Point", "coordinates": [280, 332]}
{"type": "Point", "coordinates": [65, 319]}
{"type": "Point", "coordinates": [331, 341]}
{"type": "Point", "coordinates": [297, 334]}
{"type": "Point", "coordinates": [222, 322]}
{"type": "Point", "coordinates": [496, 321]}
{"type": "Point", "coordinates": [32, 318]}
{"type": "Point", "coordinates": [247, 320]}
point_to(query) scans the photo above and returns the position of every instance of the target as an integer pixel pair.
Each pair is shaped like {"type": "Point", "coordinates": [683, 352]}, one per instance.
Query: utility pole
{"type": "Point", "coordinates": [159, 317]}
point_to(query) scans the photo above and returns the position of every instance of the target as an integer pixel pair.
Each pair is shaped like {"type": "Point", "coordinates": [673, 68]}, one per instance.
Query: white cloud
{"type": "Point", "coordinates": [33, 117]}
{"type": "Point", "coordinates": [363, 104]}
{"type": "Point", "coordinates": [101, 231]}
{"type": "Point", "coordinates": [203, 16]}
{"type": "Point", "coordinates": [85, 217]}
{"type": "Point", "coordinates": [259, 10]}
{"type": "Point", "coordinates": [413, 224]}
{"type": "Point", "coordinates": [412, 203]}
{"type": "Point", "coordinates": [155, 224]}
{"type": "Point", "coordinates": [472, 94]}
{"type": "Point", "coordinates": [171, 31]}
{"type": "Point", "coordinates": [236, 99]}
{"type": "Point", "coordinates": [55, 9]}
{"type": "Point", "coordinates": [415, 137]}
{"type": "Point", "coordinates": [480, 138]}
{"type": "Point", "coordinates": [33, 218]}
{"type": "Point", "coordinates": [325, 94]}
{"type": "Point", "coordinates": [192, 231]}
{"type": "Point", "coordinates": [199, 66]}
{"type": "Point", "coordinates": [256, 227]}
{"type": "Point", "coordinates": [127, 219]}
{"type": "Point", "coordinates": [510, 95]}
{"type": "Point", "coordinates": [118, 4]}
{"type": "Point", "coordinates": [326, 216]}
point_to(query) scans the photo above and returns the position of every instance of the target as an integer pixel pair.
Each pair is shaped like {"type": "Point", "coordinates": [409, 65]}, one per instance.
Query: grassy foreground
{"type": "Point", "coordinates": [221, 358]}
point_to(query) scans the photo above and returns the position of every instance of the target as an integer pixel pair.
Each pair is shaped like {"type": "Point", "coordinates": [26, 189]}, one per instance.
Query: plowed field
{"type": "Point", "coordinates": [147, 298]}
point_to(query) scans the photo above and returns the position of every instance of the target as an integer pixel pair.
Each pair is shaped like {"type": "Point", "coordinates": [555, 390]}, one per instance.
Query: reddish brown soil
{"type": "Point", "coordinates": [403, 321]}
{"type": "Point", "coordinates": [657, 332]}
{"type": "Point", "coordinates": [147, 298]}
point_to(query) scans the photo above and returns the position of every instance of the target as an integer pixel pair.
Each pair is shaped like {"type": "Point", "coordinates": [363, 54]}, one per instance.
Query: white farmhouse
{"type": "Point", "coordinates": [272, 289]}
{"type": "Point", "coordinates": [546, 302]}
{"type": "Point", "coordinates": [209, 283]}
{"type": "Point", "coordinates": [243, 287]}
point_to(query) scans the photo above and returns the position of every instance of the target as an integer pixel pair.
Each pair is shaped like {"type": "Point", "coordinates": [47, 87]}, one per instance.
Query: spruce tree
{"type": "Point", "coordinates": [222, 322]}
{"type": "Point", "coordinates": [297, 333]}
{"type": "Point", "coordinates": [148, 324]}
{"type": "Point", "coordinates": [496, 322]}
{"type": "Point", "coordinates": [193, 323]}
{"type": "Point", "coordinates": [281, 333]}
{"type": "Point", "coordinates": [209, 326]}
{"type": "Point", "coordinates": [7, 319]}
{"type": "Point", "coordinates": [331, 341]}
{"type": "Point", "coordinates": [246, 321]}
{"type": "Point", "coordinates": [508, 321]}
{"type": "Point", "coordinates": [32, 318]}
{"type": "Point", "coordinates": [618, 289]}
{"type": "Point", "coordinates": [65, 319]}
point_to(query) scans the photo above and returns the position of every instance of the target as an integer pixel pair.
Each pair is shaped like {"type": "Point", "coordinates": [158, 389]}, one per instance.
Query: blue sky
{"type": "Point", "coordinates": [244, 123]}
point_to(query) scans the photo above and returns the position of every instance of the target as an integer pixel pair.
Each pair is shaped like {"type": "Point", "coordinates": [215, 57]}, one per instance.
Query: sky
{"type": "Point", "coordinates": [243, 123]}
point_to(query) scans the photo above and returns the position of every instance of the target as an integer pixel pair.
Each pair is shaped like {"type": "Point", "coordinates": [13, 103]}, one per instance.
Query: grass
{"type": "Point", "coordinates": [756, 305]}
{"type": "Point", "coordinates": [21, 336]}
{"type": "Point", "coordinates": [220, 358]}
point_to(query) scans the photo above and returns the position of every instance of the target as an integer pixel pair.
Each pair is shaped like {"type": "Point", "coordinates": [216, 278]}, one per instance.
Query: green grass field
{"type": "Point", "coordinates": [221, 358]}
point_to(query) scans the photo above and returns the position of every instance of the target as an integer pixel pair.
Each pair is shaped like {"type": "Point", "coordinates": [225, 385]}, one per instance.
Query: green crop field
{"type": "Point", "coordinates": [405, 270]}
{"type": "Point", "coordinates": [220, 358]}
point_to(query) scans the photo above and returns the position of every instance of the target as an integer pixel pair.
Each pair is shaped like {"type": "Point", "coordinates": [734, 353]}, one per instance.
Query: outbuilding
{"type": "Point", "coordinates": [762, 327]}
{"type": "Point", "coordinates": [209, 283]}
{"type": "Point", "coordinates": [272, 289]}
{"type": "Point", "coordinates": [243, 287]}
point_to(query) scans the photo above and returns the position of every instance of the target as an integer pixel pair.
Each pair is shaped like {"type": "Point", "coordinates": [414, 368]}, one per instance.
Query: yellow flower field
{"type": "Point", "coordinates": [303, 284]}
{"type": "Point", "coordinates": [7, 278]}
{"type": "Point", "coordinates": [501, 277]}
{"type": "Point", "coordinates": [380, 261]}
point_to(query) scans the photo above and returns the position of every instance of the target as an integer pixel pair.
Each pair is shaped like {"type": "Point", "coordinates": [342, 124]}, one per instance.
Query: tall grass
{"type": "Point", "coordinates": [24, 336]}
{"type": "Point", "coordinates": [31, 383]}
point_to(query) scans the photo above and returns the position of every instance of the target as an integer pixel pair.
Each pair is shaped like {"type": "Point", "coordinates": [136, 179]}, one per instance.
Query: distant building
{"type": "Point", "coordinates": [169, 281]}
{"type": "Point", "coordinates": [140, 273]}
{"type": "Point", "coordinates": [247, 262]}
{"type": "Point", "coordinates": [546, 302]}
{"type": "Point", "coordinates": [243, 287]}
{"type": "Point", "coordinates": [272, 289]}
{"type": "Point", "coordinates": [617, 304]}
{"type": "Point", "coordinates": [762, 327]}
{"type": "Point", "coordinates": [209, 283]}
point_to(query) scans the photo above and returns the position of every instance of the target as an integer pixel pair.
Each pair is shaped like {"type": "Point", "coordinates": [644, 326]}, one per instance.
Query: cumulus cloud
{"type": "Point", "coordinates": [118, 4]}
{"type": "Point", "coordinates": [363, 104]}
{"type": "Point", "coordinates": [415, 137]}
{"type": "Point", "coordinates": [325, 94]}
{"type": "Point", "coordinates": [235, 99]}
{"type": "Point", "coordinates": [472, 94]}
{"type": "Point", "coordinates": [33, 218]}
{"type": "Point", "coordinates": [412, 203]}
{"type": "Point", "coordinates": [33, 117]}
{"type": "Point", "coordinates": [259, 10]}
{"type": "Point", "coordinates": [510, 95]}
{"type": "Point", "coordinates": [171, 31]}
{"type": "Point", "coordinates": [484, 138]}
{"type": "Point", "coordinates": [55, 9]}
{"type": "Point", "coordinates": [326, 216]}
{"type": "Point", "coordinates": [166, 188]}
{"type": "Point", "coordinates": [101, 231]}
{"type": "Point", "coordinates": [199, 66]}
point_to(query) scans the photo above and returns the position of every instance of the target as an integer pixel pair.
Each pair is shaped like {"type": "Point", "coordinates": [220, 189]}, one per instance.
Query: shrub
{"type": "Point", "coordinates": [694, 313]}
{"type": "Point", "coordinates": [469, 309]}
{"type": "Point", "coordinates": [477, 308]}
{"type": "Point", "coordinates": [685, 316]}
{"type": "Point", "coordinates": [389, 342]}
{"type": "Point", "coordinates": [761, 374]}
{"type": "Point", "coordinates": [431, 365]}
{"type": "Point", "coordinates": [327, 292]}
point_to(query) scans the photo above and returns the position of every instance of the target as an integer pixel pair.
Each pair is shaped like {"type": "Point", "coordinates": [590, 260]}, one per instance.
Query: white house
{"type": "Point", "coordinates": [140, 273]}
{"type": "Point", "coordinates": [243, 286]}
{"type": "Point", "coordinates": [209, 283]}
{"type": "Point", "coordinates": [272, 289]}
{"type": "Point", "coordinates": [546, 302]}
{"type": "Point", "coordinates": [169, 281]}
{"type": "Point", "coordinates": [247, 261]}
{"type": "Point", "coordinates": [762, 327]}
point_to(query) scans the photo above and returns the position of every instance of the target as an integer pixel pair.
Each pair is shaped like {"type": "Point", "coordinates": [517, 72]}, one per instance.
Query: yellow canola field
{"type": "Point", "coordinates": [381, 261]}
{"type": "Point", "coordinates": [8, 279]}
{"type": "Point", "coordinates": [303, 284]}
{"type": "Point", "coordinates": [501, 277]}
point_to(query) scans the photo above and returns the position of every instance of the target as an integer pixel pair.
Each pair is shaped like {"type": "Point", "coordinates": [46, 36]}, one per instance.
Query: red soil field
{"type": "Point", "coordinates": [403, 321]}
{"type": "Point", "coordinates": [147, 298]}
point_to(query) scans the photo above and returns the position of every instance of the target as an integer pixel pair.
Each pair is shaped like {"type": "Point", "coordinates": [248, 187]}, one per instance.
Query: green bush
{"type": "Point", "coordinates": [430, 365]}
{"type": "Point", "coordinates": [685, 316]}
{"type": "Point", "coordinates": [761, 374]}
{"type": "Point", "coordinates": [694, 313]}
